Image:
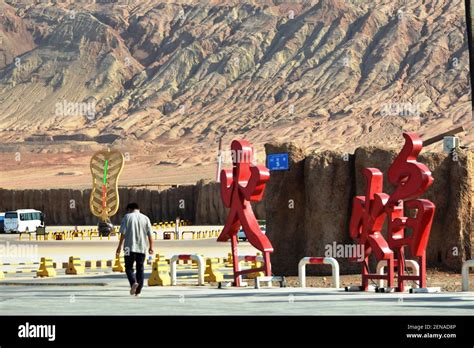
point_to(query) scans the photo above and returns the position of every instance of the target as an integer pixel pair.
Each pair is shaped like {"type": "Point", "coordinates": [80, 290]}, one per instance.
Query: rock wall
{"type": "Point", "coordinates": [285, 202]}
{"type": "Point", "coordinates": [200, 203]}
{"type": "Point", "coordinates": [209, 208]}
{"type": "Point", "coordinates": [328, 184]}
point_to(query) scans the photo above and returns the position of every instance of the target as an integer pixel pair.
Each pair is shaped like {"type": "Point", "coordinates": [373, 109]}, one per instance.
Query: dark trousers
{"type": "Point", "coordinates": [139, 259]}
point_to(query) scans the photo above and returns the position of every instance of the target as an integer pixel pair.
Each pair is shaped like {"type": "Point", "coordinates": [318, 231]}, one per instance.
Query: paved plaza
{"type": "Point", "coordinates": [106, 293]}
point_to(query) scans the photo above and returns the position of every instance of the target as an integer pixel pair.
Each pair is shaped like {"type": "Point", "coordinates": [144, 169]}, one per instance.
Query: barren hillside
{"type": "Point", "coordinates": [170, 77]}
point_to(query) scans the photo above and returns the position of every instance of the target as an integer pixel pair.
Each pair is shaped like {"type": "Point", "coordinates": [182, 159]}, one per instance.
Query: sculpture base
{"type": "Point", "coordinates": [229, 284]}
{"type": "Point", "coordinates": [269, 280]}
{"type": "Point", "coordinates": [425, 290]}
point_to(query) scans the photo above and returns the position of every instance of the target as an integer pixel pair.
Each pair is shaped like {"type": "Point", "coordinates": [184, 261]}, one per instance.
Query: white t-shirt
{"type": "Point", "coordinates": [136, 227]}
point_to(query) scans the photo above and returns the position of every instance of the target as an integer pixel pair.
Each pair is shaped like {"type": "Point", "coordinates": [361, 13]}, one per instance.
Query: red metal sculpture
{"type": "Point", "coordinates": [369, 212]}
{"type": "Point", "coordinates": [243, 184]}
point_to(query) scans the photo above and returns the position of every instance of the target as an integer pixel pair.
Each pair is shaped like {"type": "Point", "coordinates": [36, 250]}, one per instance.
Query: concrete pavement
{"type": "Point", "coordinates": [108, 295]}
{"type": "Point", "coordinates": [103, 293]}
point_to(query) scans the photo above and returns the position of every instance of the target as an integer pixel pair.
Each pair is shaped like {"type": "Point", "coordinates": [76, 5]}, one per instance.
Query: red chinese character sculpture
{"type": "Point", "coordinates": [243, 184]}
{"type": "Point", "coordinates": [369, 212]}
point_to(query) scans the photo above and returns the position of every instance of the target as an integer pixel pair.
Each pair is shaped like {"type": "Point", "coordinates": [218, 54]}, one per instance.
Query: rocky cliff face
{"type": "Point", "coordinates": [327, 186]}
{"type": "Point", "coordinates": [176, 75]}
{"type": "Point", "coordinates": [15, 39]}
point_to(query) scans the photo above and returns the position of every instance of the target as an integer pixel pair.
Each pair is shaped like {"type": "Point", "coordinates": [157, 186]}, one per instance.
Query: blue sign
{"type": "Point", "coordinates": [278, 161]}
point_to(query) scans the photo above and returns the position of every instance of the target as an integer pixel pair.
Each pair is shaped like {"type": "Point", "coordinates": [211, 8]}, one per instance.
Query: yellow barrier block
{"type": "Point", "coordinates": [229, 260]}
{"type": "Point", "coordinates": [102, 264]}
{"type": "Point", "coordinates": [118, 267]}
{"type": "Point", "coordinates": [46, 268]}
{"type": "Point", "coordinates": [91, 264]}
{"type": "Point", "coordinates": [75, 266]}
{"type": "Point", "coordinates": [162, 258]}
{"type": "Point", "coordinates": [58, 236]}
{"type": "Point", "coordinates": [255, 264]}
{"type": "Point", "coordinates": [212, 273]}
{"type": "Point", "coordinates": [160, 275]}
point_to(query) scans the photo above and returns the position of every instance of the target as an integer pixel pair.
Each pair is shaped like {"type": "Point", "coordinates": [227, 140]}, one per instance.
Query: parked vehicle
{"type": "Point", "coordinates": [105, 228]}
{"type": "Point", "coordinates": [2, 219]}
{"type": "Point", "coordinates": [241, 234]}
{"type": "Point", "coordinates": [23, 220]}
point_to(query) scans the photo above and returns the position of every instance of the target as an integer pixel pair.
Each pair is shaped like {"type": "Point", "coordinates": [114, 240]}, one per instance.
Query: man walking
{"type": "Point", "coordinates": [134, 231]}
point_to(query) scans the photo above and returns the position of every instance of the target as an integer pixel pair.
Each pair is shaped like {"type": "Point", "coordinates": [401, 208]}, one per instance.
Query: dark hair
{"type": "Point", "coordinates": [132, 206]}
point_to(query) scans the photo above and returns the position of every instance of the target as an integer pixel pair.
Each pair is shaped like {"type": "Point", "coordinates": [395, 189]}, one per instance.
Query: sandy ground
{"type": "Point", "coordinates": [445, 280]}
{"type": "Point", "coordinates": [46, 171]}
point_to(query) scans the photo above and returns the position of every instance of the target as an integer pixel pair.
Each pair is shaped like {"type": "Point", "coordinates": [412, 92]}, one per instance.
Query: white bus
{"type": "Point", "coordinates": [23, 220]}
